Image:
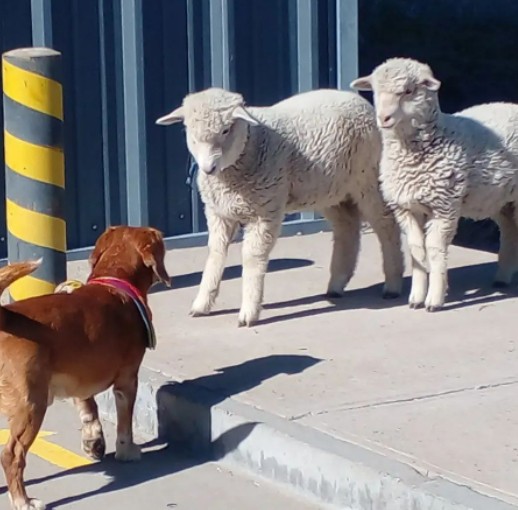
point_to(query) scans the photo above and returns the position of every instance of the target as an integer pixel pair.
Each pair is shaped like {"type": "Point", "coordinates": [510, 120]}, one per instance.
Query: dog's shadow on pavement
{"type": "Point", "coordinates": [162, 457]}
{"type": "Point", "coordinates": [159, 460]}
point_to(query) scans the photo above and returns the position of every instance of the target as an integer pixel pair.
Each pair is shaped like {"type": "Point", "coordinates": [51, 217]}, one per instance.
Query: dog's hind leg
{"type": "Point", "coordinates": [25, 423]}
{"type": "Point", "coordinates": [92, 436]}
{"type": "Point", "coordinates": [125, 389]}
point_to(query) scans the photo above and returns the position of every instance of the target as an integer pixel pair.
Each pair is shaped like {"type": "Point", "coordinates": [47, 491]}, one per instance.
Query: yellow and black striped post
{"type": "Point", "coordinates": [34, 167]}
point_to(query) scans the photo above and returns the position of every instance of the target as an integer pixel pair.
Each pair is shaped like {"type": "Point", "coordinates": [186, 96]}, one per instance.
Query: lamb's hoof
{"type": "Point", "coordinates": [246, 323]}
{"type": "Point", "coordinates": [200, 307]}
{"type": "Point", "coordinates": [95, 448]}
{"type": "Point", "coordinates": [334, 294]}
{"type": "Point", "coordinates": [389, 294]}
{"type": "Point", "coordinates": [198, 313]}
{"type": "Point", "coordinates": [128, 452]}
{"type": "Point", "coordinates": [247, 318]}
{"type": "Point", "coordinates": [433, 308]}
{"type": "Point", "coordinates": [498, 284]}
{"type": "Point", "coordinates": [199, 310]}
{"type": "Point", "coordinates": [243, 324]}
{"type": "Point", "coordinates": [415, 306]}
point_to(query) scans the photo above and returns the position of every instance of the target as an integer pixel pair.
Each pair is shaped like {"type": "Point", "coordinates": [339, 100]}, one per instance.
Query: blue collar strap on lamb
{"type": "Point", "coordinates": [193, 168]}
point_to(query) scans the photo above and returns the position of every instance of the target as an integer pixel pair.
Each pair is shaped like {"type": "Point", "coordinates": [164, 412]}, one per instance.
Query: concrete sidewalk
{"type": "Point", "coordinates": [361, 402]}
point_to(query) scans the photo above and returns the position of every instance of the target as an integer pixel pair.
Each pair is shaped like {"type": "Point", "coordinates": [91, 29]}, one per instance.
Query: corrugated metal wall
{"type": "Point", "coordinates": [15, 31]}
{"type": "Point", "coordinates": [127, 62]}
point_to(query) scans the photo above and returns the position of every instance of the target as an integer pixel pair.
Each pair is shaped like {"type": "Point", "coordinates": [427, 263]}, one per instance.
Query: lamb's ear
{"type": "Point", "coordinates": [431, 83]}
{"type": "Point", "coordinates": [240, 113]}
{"type": "Point", "coordinates": [363, 83]}
{"type": "Point", "coordinates": [172, 118]}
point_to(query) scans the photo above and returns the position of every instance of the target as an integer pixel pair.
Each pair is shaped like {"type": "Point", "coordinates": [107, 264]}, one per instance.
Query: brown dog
{"type": "Point", "coordinates": [77, 345]}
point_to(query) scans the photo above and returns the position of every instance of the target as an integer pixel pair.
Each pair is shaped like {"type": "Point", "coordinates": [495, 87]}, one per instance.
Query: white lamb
{"type": "Point", "coordinates": [316, 151]}
{"type": "Point", "coordinates": [437, 167]}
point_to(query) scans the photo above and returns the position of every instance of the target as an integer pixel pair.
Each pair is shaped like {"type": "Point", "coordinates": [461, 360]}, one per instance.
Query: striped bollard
{"type": "Point", "coordinates": [34, 167]}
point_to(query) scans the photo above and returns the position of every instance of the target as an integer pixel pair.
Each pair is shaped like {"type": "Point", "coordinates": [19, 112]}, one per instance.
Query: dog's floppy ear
{"type": "Point", "coordinates": [153, 253]}
{"type": "Point", "coordinates": [100, 246]}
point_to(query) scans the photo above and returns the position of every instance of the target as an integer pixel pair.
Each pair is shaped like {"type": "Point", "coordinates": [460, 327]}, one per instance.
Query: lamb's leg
{"type": "Point", "coordinates": [413, 226]}
{"type": "Point", "coordinates": [259, 239]}
{"type": "Point", "coordinates": [345, 220]}
{"type": "Point", "coordinates": [439, 234]}
{"type": "Point", "coordinates": [508, 254]}
{"type": "Point", "coordinates": [221, 232]}
{"type": "Point", "coordinates": [389, 234]}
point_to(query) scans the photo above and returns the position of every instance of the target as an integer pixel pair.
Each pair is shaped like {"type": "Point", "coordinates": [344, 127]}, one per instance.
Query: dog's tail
{"type": "Point", "coordinates": [9, 274]}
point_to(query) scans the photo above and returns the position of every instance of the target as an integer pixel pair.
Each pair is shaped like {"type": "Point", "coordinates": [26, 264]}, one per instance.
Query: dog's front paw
{"type": "Point", "coordinates": [32, 504]}
{"type": "Point", "coordinates": [95, 448]}
{"type": "Point", "coordinates": [127, 452]}
{"type": "Point", "coordinates": [92, 438]}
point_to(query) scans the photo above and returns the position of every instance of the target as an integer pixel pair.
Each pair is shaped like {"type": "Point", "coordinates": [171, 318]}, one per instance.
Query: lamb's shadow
{"type": "Point", "coordinates": [231, 273]}
{"type": "Point", "coordinates": [468, 286]}
{"type": "Point", "coordinates": [162, 457]}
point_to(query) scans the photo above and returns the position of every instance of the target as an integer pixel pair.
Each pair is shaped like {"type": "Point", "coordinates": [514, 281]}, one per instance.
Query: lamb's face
{"type": "Point", "coordinates": [396, 101]}
{"type": "Point", "coordinates": [220, 146]}
{"type": "Point", "coordinates": [401, 90]}
{"type": "Point", "coordinates": [216, 125]}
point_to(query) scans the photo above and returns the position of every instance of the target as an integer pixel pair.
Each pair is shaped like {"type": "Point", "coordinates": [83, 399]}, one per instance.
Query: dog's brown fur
{"type": "Point", "coordinates": [76, 345]}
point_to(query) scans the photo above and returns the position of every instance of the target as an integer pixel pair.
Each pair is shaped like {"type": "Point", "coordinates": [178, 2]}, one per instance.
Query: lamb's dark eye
{"type": "Point", "coordinates": [225, 131]}
{"type": "Point", "coordinates": [408, 92]}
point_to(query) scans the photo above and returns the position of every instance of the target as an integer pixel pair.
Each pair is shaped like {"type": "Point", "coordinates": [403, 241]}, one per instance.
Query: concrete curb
{"type": "Point", "coordinates": [336, 472]}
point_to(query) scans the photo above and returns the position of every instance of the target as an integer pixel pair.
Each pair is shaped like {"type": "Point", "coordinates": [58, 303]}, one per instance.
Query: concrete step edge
{"type": "Point", "coordinates": [316, 465]}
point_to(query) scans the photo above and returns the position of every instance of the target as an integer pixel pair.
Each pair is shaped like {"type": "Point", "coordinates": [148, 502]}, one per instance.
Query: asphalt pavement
{"type": "Point", "coordinates": [59, 474]}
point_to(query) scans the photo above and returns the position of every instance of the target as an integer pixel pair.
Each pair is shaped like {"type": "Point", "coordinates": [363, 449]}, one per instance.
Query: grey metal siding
{"type": "Point", "coordinates": [15, 32]}
{"type": "Point", "coordinates": [126, 62]}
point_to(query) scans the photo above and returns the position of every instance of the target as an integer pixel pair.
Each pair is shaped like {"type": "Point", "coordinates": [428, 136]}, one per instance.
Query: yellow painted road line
{"type": "Point", "coordinates": [32, 90]}
{"type": "Point", "coordinates": [36, 228]}
{"type": "Point", "coordinates": [45, 164]}
{"type": "Point", "coordinates": [51, 452]}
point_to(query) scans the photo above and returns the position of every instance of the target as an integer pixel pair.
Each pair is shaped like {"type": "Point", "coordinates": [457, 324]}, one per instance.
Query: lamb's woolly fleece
{"type": "Point", "coordinates": [311, 151]}
{"type": "Point", "coordinates": [315, 151]}
{"type": "Point", "coordinates": [437, 167]}
{"type": "Point", "coordinates": [462, 164]}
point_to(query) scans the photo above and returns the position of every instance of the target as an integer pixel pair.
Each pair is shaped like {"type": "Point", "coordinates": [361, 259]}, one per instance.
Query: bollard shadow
{"type": "Point", "coordinates": [168, 455]}
{"type": "Point", "coordinates": [183, 281]}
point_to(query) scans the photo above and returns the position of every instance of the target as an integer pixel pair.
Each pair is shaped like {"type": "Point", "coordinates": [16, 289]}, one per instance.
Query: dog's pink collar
{"type": "Point", "coordinates": [136, 297]}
